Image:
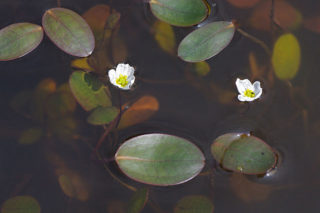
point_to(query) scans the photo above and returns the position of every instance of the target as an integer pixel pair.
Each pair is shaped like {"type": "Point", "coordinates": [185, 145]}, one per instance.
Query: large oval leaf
{"type": "Point", "coordinates": [159, 159]}
{"type": "Point", "coordinates": [179, 12]}
{"type": "Point", "coordinates": [243, 153]}
{"type": "Point", "coordinates": [88, 90]}
{"type": "Point", "coordinates": [19, 39]}
{"type": "Point", "coordinates": [21, 204]}
{"type": "Point", "coordinates": [286, 57]}
{"type": "Point", "coordinates": [206, 41]}
{"type": "Point", "coordinates": [194, 204]}
{"type": "Point", "coordinates": [68, 31]}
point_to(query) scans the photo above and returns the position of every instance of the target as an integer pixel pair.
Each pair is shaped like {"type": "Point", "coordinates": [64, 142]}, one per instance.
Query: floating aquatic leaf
{"type": "Point", "coordinates": [243, 153]}
{"type": "Point", "coordinates": [159, 159]}
{"type": "Point", "coordinates": [194, 204]}
{"type": "Point", "coordinates": [243, 3]}
{"type": "Point", "coordinates": [286, 57]}
{"type": "Point", "coordinates": [103, 115]}
{"type": "Point", "coordinates": [88, 90]}
{"type": "Point", "coordinates": [17, 40]}
{"type": "Point", "coordinates": [206, 41]}
{"type": "Point", "coordinates": [69, 31]}
{"type": "Point", "coordinates": [165, 37]}
{"type": "Point", "coordinates": [179, 12]}
{"type": "Point", "coordinates": [21, 204]}
{"type": "Point", "coordinates": [140, 111]}
{"type": "Point", "coordinates": [285, 16]}
{"type": "Point", "coordinates": [138, 201]}
{"type": "Point", "coordinates": [30, 136]}
{"type": "Point", "coordinates": [201, 68]}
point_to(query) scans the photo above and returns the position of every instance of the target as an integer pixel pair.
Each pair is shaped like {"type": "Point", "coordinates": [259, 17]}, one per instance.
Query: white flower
{"type": "Point", "coordinates": [122, 77]}
{"type": "Point", "coordinates": [248, 91]}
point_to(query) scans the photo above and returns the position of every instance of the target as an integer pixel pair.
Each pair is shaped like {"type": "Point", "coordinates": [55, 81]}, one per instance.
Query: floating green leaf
{"type": "Point", "coordinates": [242, 153]}
{"type": "Point", "coordinates": [103, 115]}
{"type": "Point", "coordinates": [69, 31]}
{"type": "Point", "coordinates": [17, 40]}
{"type": "Point", "coordinates": [206, 41]}
{"type": "Point", "coordinates": [194, 204]}
{"type": "Point", "coordinates": [30, 136]}
{"type": "Point", "coordinates": [21, 204]}
{"type": "Point", "coordinates": [159, 159]}
{"type": "Point", "coordinates": [138, 201]}
{"type": "Point", "coordinates": [88, 90]}
{"type": "Point", "coordinates": [179, 12]}
{"type": "Point", "coordinates": [286, 57]}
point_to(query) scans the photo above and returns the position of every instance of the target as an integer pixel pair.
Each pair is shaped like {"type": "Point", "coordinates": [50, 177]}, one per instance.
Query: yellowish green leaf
{"type": "Point", "coordinates": [165, 37]}
{"type": "Point", "coordinates": [21, 204]}
{"type": "Point", "coordinates": [286, 57]}
{"type": "Point", "coordinates": [202, 68]}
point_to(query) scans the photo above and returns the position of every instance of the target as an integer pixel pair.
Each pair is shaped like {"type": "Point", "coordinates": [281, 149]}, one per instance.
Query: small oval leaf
{"type": "Point", "coordinates": [194, 204]}
{"type": "Point", "coordinates": [286, 57]}
{"type": "Point", "coordinates": [88, 90]}
{"type": "Point", "coordinates": [243, 153]}
{"type": "Point", "coordinates": [17, 40]}
{"type": "Point", "coordinates": [138, 201]}
{"type": "Point", "coordinates": [206, 41]}
{"type": "Point", "coordinates": [21, 204]}
{"type": "Point", "coordinates": [179, 12]}
{"type": "Point", "coordinates": [30, 136]}
{"type": "Point", "coordinates": [69, 31]}
{"type": "Point", "coordinates": [160, 159]}
{"type": "Point", "coordinates": [102, 115]}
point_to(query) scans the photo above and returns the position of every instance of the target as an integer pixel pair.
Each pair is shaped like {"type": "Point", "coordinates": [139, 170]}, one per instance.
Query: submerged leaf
{"type": "Point", "coordinates": [285, 16]}
{"type": "Point", "coordinates": [286, 57]}
{"type": "Point", "coordinates": [69, 31]}
{"type": "Point", "coordinates": [88, 90]}
{"type": "Point", "coordinates": [201, 68]}
{"type": "Point", "coordinates": [30, 136]}
{"type": "Point", "coordinates": [21, 204]}
{"type": "Point", "coordinates": [179, 12]}
{"type": "Point", "coordinates": [206, 41]}
{"type": "Point", "coordinates": [243, 3]}
{"type": "Point", "coordinates": [102, 115]}
{"type": "Point", "coordinates": [138, 201]}
{"type": "Point", "coordinates": [165, 37]}
{"type": "Point", "coordinates": [243, 153]}
{"type": "Point", "coordinates": [139, 112]}
{"type": "Point", "coordinates": [17, 40]}
{"type": "Point", "coordinates": [73, 185]}
{"type": "Point", "coordinates": [159, 159]}
{"type": "Point", "coordinates": [194, 204]}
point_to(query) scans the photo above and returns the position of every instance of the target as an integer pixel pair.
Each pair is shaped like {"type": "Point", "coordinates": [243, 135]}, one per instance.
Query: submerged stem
{"type": "Point", "coordinates": [256, 40]}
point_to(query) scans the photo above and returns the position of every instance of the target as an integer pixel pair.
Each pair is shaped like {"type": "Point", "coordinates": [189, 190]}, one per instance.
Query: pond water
{"type": "Point", "coordinates": [198, 108]}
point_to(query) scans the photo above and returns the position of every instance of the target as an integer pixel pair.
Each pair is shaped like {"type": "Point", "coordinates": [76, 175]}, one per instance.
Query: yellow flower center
{"type": "Point", "coordinates": [249, 93]}
{"type": "Point", "coordinates": [122, 80]}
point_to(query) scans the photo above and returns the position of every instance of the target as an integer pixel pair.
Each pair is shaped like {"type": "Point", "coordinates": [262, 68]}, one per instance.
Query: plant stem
{"type": "Point", "coordinates": [256, 40]}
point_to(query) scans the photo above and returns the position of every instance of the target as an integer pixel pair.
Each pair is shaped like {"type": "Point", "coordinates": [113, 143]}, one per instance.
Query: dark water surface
{"type": "Point", "coordinates": [287, 117]}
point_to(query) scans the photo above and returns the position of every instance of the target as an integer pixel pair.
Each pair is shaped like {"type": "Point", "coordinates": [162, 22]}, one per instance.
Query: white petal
{"type": "Point", "coordinates": [243, 85]}
{"type": "Point", "coordinates": [245, 98]}
{"type": "Point", "coordinates": [257, 89]}
{"type": "Point", "coordinates": [112, 76]}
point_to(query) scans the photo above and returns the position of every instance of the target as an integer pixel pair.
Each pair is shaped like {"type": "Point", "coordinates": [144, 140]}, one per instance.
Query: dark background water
{"type": "Point", "coordinates": [184, 111]}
